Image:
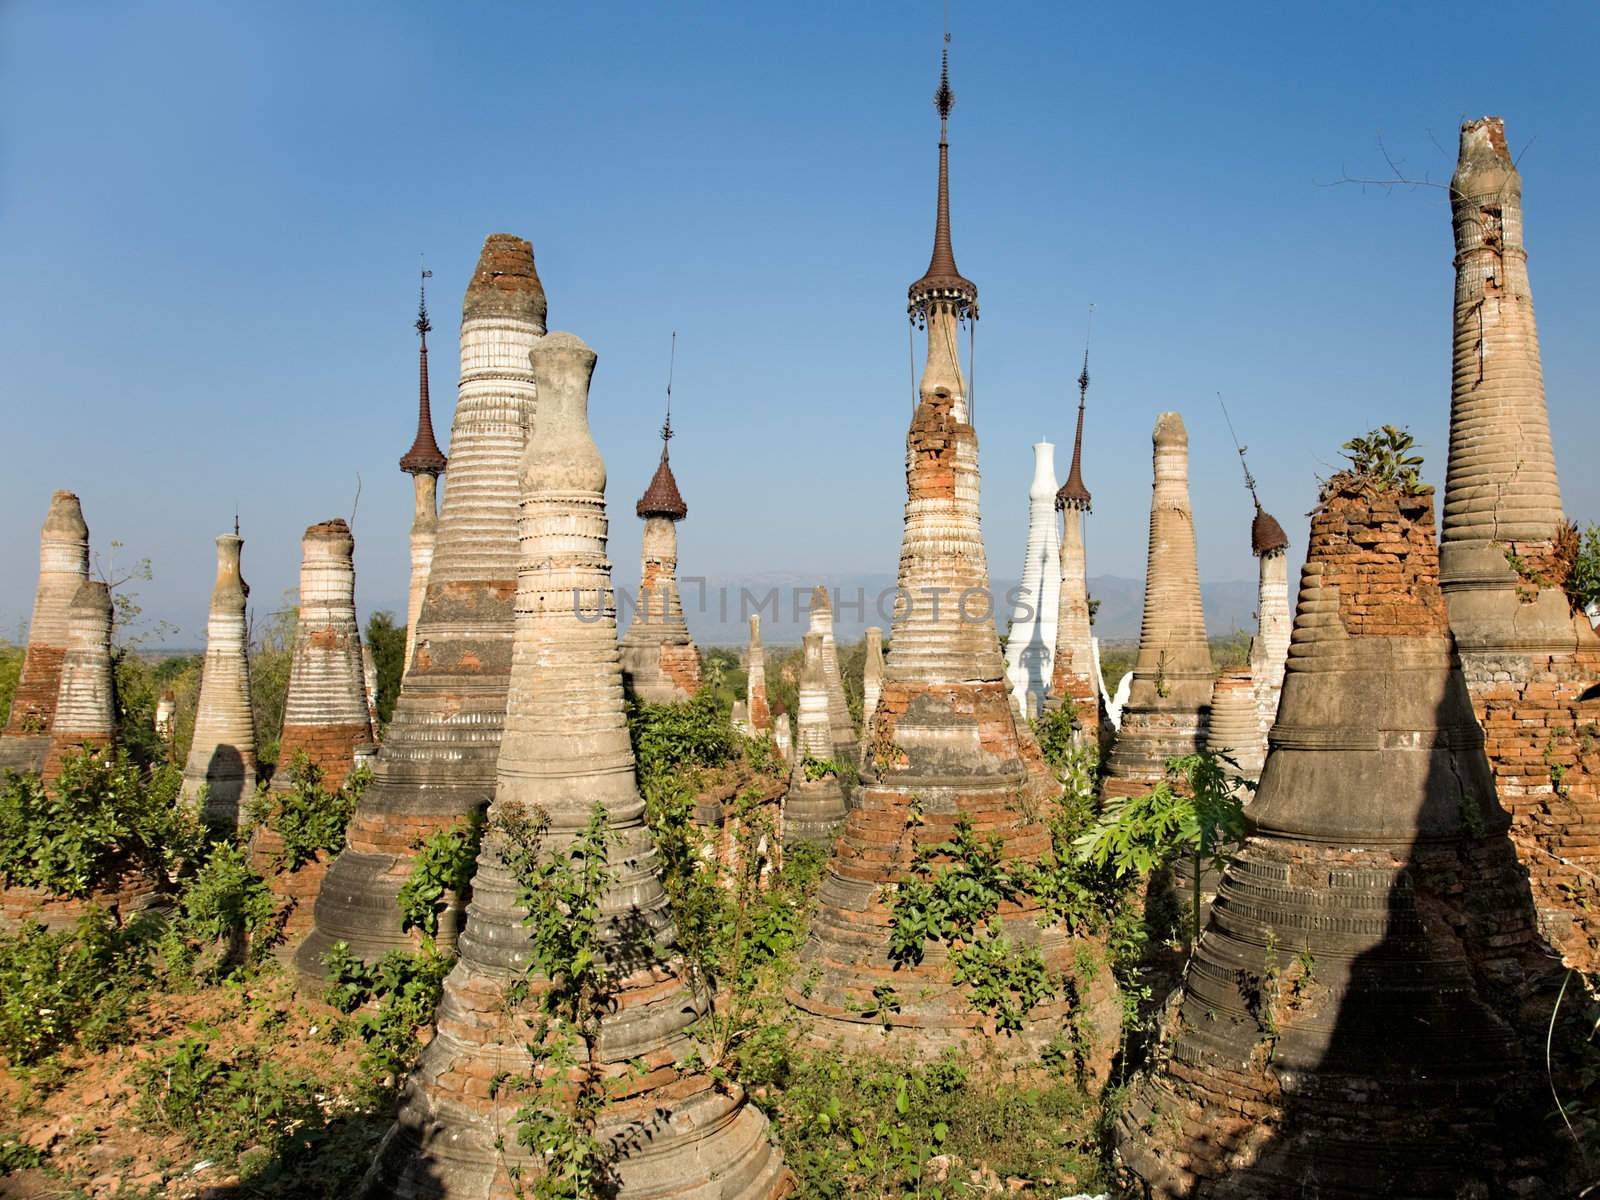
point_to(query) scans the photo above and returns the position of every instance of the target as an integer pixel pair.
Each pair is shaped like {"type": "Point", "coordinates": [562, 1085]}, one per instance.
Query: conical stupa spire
{"type": "Point", "coordinates": [424, 457]}
{"type": "Point", "coordinates": [222, 756]}
{"type": "Point", "coordinates": [942, 284]}
{"type": "Point", "coordinates": [1073, 493]}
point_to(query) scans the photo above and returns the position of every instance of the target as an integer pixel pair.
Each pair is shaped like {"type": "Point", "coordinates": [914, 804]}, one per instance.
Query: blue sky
{"type": "Point", "coordinates": [211, 217]}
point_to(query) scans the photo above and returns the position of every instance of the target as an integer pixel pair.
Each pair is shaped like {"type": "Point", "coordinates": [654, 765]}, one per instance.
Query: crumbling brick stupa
{"type": "Point", "coordinates": [63, 567]}
{"type": "Point", "coordinates": [813, 807]}
{"type": "Point", "coordinates": [424, 462]}
{"type": "Point", "coordinates": [1165, 715]}
{"type": "Point", "coordinates": [660, 663]}
{"type": "Point", "coordinates": [220, 775]}
{"type": "Point", "coordinates": [1505, 551]}
{"type": "Point", "coordinates": [944, 746]}
{"type": "Point", "coordinates": [325, 712]}
{"type": "Point", "coordinates": [1075, 666]}
{"type": "Point", "coordinates": [436, 768]}
{"type": "Point", "coordinates": [757, 711]}
{"type": "Point", "coordinates": [1031, 639]}
{"type": "Point", "coordinates": [672, 1131]}
{"type": "Point", "coordinates": [85, 711]}
{"type": "Point", "coordinates": [1343, 1025]}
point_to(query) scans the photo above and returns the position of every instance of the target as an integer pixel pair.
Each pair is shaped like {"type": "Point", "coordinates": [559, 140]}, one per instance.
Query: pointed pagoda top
{"type": "Point", "coordinates": [1073, 494]}
{"type": "Point", "coordinates": [662, 498]}
{"type": "Point", "coordinates": [506, 283]}
{"type": "Point", "coordinates": [1266, 535]}
{"type": "Point", "coordinates": [424, 457]}
{"type": "Point", "coordinates": [943, 284]}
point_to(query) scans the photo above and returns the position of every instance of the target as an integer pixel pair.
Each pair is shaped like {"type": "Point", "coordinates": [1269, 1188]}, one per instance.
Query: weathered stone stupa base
{"type": "Point", "coordinates": [660, 672]}
{"type": "Point", "coordinates": [1147, 739]}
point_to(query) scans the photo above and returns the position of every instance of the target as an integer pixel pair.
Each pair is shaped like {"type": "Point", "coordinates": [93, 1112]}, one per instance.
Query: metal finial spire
{"type": "Point", "coordinates": [672, 362]}
{"type": "Point", "coordinates": [1083, 376]}
{"type": "Point", "coordinates": [424, 326]}
{"type": "Point", "coordinates": [1073, 493]}
{"type": "Point", "coordinates": [236, 521]}
{"type": "Point", "coordinates": [1249, 479]}
{"type": "Point", "coordinates": [942, 285]}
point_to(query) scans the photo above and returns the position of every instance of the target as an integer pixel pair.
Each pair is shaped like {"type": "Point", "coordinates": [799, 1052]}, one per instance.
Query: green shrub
{"type": "Point", "coordinates": [310, 819]}
{"type": "Point", "coordinates": [1383, 458]}
{"type": "Point", "coordinates": [103, 816]}
{"type": "Point", "coordinates": [222, 1106]}
{"type": "Point", "coordinates": [402, 991]}
{"type": "Point", "coordinates": [75, 987]}
{"type": "Point", "coordinates": [693, 732]}
{"type": "Point", "coordinates": [1054, 729]}
{"type": "Point", "coordinates": [1583, 581]}
{"type": "Point", "coordinates": [228, 918]}
{"type": "Point", "coordinates": [445, 862]}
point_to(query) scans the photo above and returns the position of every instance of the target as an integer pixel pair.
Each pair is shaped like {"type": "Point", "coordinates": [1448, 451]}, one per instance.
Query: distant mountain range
{"type": "Point", "coordinates": [718, 608]}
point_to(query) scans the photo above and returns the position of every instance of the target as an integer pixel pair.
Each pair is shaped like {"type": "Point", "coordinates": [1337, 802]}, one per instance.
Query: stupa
{"type": "Point", "coordinates": [220, 775]}
{"type": "Point", "coordinates": [1031, 641]}
{"type": "Point", "coordinates": [1075, 667]}
{"type": "Point", "coordinates": [424, 462]}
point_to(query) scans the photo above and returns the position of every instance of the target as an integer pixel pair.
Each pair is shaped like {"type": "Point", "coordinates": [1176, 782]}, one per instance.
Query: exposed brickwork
{"type": "Point", "coordinates": [19, 905]}
{"type": "Point", "coordinates": [64, 746]}
{"type": "Point", "coordinates": [296, 890]}
{"type": "Point", "coordinates": [33, 704]}
{"type": "Point", "coordinates": [331, 749]}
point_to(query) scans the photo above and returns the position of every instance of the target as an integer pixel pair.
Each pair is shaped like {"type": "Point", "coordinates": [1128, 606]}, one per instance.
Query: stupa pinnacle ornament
{"type": "Point", "coordinates": [1172, 677]}
{"type": "Point", "coordinates": [944, 745]}
{"type": "Point", "coordinates": [1075, 667]}
{"type": "Point", "coordinates": [438, 760]}
{"type": "Point", "coordinates": [659, 660]}
{"type": "Point", "coordinates": [86, 704]}
{"type": "Point", "coordinates": [1506, 550]}
{"type": "Point", "coordinates": [424, 462]}
{"type": "Point", "coordinates": [668, 1130]}
{"type": "Point", "coordinates": [63, 568]}
{"type": "Point", "coordinates": [1344, 1026]}
{"type": "Point", "coordinates": [1031, 643]}
{"type": "Point", "coordinates": [222, 757]}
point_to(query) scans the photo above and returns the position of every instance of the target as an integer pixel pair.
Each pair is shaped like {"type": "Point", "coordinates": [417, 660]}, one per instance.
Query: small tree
{"type": "Point", "coordinates": [388, 643]}
{"type": "Point", "coordinates": [1383, 457]}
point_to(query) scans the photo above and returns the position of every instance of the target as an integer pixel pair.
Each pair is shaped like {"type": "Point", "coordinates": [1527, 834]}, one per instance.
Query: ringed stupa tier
{"type": "Point", "coordinates": [871, 684]}
{"type": "Point", "coordinates": [841, 728]}
{"type": "Point", "coordinates": [1031, 642]}
{"type": "Point", "coordinates": [1341, 1026]}
{"type": "Point", "coordinates": [220, 775]}
{"type": "Point", "coordinates": [1506, 550]}
{"type": "Point", "coordinates": [63, 568]}
{"type": "Point", "coordinates": [660, 663]}
{"type": "Point", "coordinates": [1075, 666]}
{"type": "Point", "coordinates": [1270, 649]}
{"type": "Point", "coordinates": [437, 764]}
{"type": "Point", "coordinates": [945, 745]}
{"type": "Point", "coordinates": [325, 712]}
{"type": "Point", "coordinates": [812, 808]}
{"type": "Point", "coordinates": [757, 711]}
{"type": "Point", "coordinates": [424, 462]}
{"type": "Point", "coordinates": [86, 711]}
{"type": "Point", "coordinates": [673, 1131]}
{"type": "Point", "coordinates": [1172, 677]}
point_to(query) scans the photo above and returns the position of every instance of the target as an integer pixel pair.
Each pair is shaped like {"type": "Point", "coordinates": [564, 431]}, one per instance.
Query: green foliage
{"type": "Point", "coordinates": [103, 816]}
{"type": "Point", "coordinates": [1005, 980]}
{"type": "Point", "coordinates": [444, 864]}
{"type": "Point", "coordinates": [1383, 458]}
{"type": "Point", "coordinates": [948, 904]}
{"type": "Point", "coordinates": [724, 677]}
{"type": "Point", "coordinates": [1054, 728]}
{"type": "Point", "coordinates": [17, 1156]}
{"type": "Point", "coordinates": [1583, 581]}
{"type": "Point", "coordinates": [388, 642]}
{"type": "Point", "coordinates": [693, 732]}
{"type": "Point", "coordinates": [821, 768]}
{"type": "Point", "coordinates": [11, 656]}
{"type": "Point", "coordinates": [397, 996]}
{"type": "Point", "coordinates": [228, 918]}
{"type": "Point", "coordinates": [224, 1105]}
{"type": "Point", "coordinates": [75, 987]}
{"type": "Point", "coordinates": [271, 657]}
{"type": "Point", "coordinates": [310, 819]}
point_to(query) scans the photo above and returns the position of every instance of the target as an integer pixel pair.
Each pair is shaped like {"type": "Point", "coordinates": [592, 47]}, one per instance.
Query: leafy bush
{"type": "Point", "coordinates": [310, 819]}
{"type": "Point", "coordinates": [78, 986]}
{"type": "Point", "coordinates": [1005, 980]}
{"type": "Point", "coordinates": [948, 904]}
{"type": "Point", "coordinates": [444, 863]}
{"type": "Point", "coordinates": [1054, 728]}
{"type": "Point", "coordinates": [102, 816]}
{"type": "Point", "coordinates": [222, 1106]}
{"type": "Point", "coordinates": [402, 991]}
{"type": "Point", "coordinates": [228, 918]}
{"type": "Point", "coordinates": [1383, 458]}
{"type": "Point", "coordinates": [693, 732]}
{"type": "Point", "coordinates": [1583, 581]}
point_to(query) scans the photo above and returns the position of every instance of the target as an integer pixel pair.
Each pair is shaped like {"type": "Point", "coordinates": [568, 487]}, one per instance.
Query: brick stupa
{"type": "Point", "coordinates": [1075, 666]}
{"type": "Point", "coordinates": [1166, 711]}
{"type": "Point", "coordinates": [812, 808]}
{"type": "Point", "coordinates": [1506, 550]}
{"type": "Point", "coordinates": [944, 742]}
{"type": "Point", "coordinates": [63, 568]}
{"type": "Point", "coordinates": [220, 775]}
{"type": "Point", "coordinates": [674, 1132]}
{"type": "Point", "coordinates": [437, 764]}
{"type": "Point", "coordinates": [841, 728]}
{"type": "Point", "coordinates": [86, 708]}
{"type": "Point", "coordinates": [1342, 1029]}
